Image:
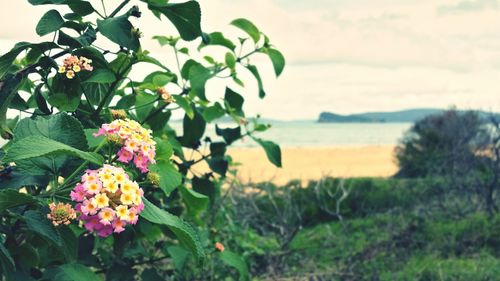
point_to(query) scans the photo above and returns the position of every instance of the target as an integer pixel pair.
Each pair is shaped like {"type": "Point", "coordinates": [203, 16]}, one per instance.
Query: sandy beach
{"type": "Point", "coordinates": [313, 163]}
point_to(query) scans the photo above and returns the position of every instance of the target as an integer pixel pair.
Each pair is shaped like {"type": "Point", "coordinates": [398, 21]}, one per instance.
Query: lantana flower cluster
{"type": "Point", "coordinates": [107, 200]}
{"type": "Point", "coordinates": [61, 214]}
{"type": "Point", "coordinates": [137, 143]}
{"type": "Point", "coordinates": [74, 64]}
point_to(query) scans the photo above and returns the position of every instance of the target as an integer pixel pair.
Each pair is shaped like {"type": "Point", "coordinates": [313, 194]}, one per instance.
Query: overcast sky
{"type": "Point", "coordinates": [346, 56]}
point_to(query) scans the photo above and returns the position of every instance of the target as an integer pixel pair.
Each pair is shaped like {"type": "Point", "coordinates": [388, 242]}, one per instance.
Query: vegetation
{"type": "Point", "coordinates": [91, 141]}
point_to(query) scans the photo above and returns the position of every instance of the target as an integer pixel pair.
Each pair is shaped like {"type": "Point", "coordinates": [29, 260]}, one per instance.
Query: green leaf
{"type": "Point", "coordinates": [101, 76]}
{"type": "Point", "coordinates": [218, 148]}
{"type": "Point", "coordinates": [184, 232]}
{"type": "Point", "coordinates": [170, 178]}
{"type": "Point", "coordinates": [219, 165]}
{"type": "Point", "coordinates": [193, 130]}
{"type": "Point", "coordinates": [206, 187]}
{"type": "Point", "coordinates": [7, 60]}
{"type": "Point", "coordinates": [84, 40]}
{"type": "Point", "coordinates": [217, 38]}
{"type": "Point", "coordinates": [119, 31]}
{"type": "Point", "coordinates": [6, 262]}
{"type": "Point", "coordinates": [45, 2]}
{"type": "Point", "coordinates": [41, 103]}
{"type": "Point", "coordinates": [50, 22]}
{"type": "Point", "coordinates": [39, 224]}
{"type": "Point", "coordinates": [196, 202]}
{"type": "Point", "coordinates": [277, 59]}
{"type": "Point", "coordinates": [59, 127]}
{"type": "Point", "coordinates": [184, 103]}
{"type": "Point", "coordinates": [10, 198]}
{"type": "Point", "coordinates": [236, 261]}
{"type": "Point", "coordinates": [198, 77]}
{"type": "Point", "coordinates": [234, 102]}
{"type": "Point", "coordinates": [186, 17]}
{"type": "Point", "coordinates": [256, 74]}
{"type": "Point", "coordinates": [229, 135]}
{"type": "Point", "coordinates": [164, 150]}
{"type": "Point", "coordinates": [8, 90]}
{"type": "Point", "coordinates": [179, 256]}
{"type": "Point", "coordinates": [71, 272]}
{"type": "Point", "coordinates": [248, 27]}
{"type": "Point", "coordinates": [81, 8]}
{"type": "Point", "coordinates": [273, 151]}
{"type": "Point", "coordinates": [213, 112]}
{"type": "Point", "coordinates": [37, 146]}
{"type": "Point", "coordinates": [230, 60]}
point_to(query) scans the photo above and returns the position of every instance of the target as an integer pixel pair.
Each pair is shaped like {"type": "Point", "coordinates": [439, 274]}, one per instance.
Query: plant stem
{"type": "Point", "coordinates": [81, 167]}
{"type": "Point", "coordinates": [118, 8]}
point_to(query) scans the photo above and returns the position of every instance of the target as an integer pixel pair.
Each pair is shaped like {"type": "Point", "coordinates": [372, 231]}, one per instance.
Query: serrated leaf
{"type": "Point", "coordinates": [38, 223]}
{"type": "Point", "coordinates": [184, 232]}
{"type": "Point", "coordinates": [71, 272]}
{"type": "Point", "coordinates": [170, 178]}
{"type": "Point", "coordinates": [6, 262]}
{"type": "Point", "coordinates": [10, 198]}
{"type": "Point", "coordinates": [248, 27]}
{"type": "Point", "coordinates": [38, 146]}
{"type": "Point", "coordinates": [195, 202]}
{"type": "Point", "coordinates": [59, 127]}
{"type": "Point", "coordinates": [236, 261]}
{"type": "Point", "coordinates": [50, 22]}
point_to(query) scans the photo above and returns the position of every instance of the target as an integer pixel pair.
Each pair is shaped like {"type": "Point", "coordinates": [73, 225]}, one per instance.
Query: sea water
{"type": "Point", "coordinates": [313, 134]}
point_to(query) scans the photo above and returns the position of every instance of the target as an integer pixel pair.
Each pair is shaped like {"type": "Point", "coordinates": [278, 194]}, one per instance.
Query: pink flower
{"type": "Point", "coordinates": [136, 142]}
{"type": "Point", "coordinates": [105, 231]}
{"type": "Point", "coordinates": [78, 193]}
{"type": "Point", "coordinates": [103, 206]}
{"type": "Point", "coordinates": [124, 155]}
{"type": "Point", "coordinates": [119, 225]}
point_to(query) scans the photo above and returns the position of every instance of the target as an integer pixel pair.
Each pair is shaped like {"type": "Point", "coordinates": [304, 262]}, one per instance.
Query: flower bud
{"type": "Point", "coordinates": [153, 178]}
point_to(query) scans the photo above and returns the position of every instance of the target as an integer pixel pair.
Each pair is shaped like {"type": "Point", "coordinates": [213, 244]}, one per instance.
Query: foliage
{"type": "Point", "coordinates": [54, 140]}
{"type": "Point", "coordinates": [408, 236]}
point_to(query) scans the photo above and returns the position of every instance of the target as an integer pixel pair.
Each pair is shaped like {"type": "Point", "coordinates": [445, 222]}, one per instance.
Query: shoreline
{"type": "Point", "coordinates": [312, 163]}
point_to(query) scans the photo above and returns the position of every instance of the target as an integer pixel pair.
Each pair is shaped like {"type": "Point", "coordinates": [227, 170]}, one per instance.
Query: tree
{"type": "Point", "coordinates": [98, 141]}
{"type": "Point", "coordinates": [460, 147]}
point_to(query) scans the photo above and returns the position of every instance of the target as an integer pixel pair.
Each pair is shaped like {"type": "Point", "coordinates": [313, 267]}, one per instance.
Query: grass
{"type": "Point", "coordinates": [390, 230]}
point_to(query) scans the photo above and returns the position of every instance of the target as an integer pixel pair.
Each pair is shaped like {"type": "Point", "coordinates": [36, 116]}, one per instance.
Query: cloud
{"type": "Point", "coordinates": [469, 6]}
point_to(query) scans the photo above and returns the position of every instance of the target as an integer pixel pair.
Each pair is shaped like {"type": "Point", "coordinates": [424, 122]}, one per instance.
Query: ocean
{"type": "Point", "coordinates": [313, 134]}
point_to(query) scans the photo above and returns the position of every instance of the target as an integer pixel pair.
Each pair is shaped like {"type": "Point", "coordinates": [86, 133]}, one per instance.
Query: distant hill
{"type": "Point", "coordinates": [410, 115]}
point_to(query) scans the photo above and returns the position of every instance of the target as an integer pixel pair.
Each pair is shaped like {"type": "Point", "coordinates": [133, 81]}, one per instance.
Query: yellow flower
{"type": "Point", "coordinates": [127, 188]}
{"type": "Point", "coordinates": [127, 199]}
{"type": "Point", "coordinates": [101, 200]}
{"type": "Point", "coordinates": [111, 186]}
{"type": "Point", "coordinates": [70, 74]}
{"type": "Point", "coordinates": [122, 212]}
{"type": "Point", "coordinates": [76, 68]}
{"type": "Point", "coordinates": [120, 178]}
{"type": "Point", "coordinates": [106, 177]}
{"type": "Point", "coordinates": [62, 69]}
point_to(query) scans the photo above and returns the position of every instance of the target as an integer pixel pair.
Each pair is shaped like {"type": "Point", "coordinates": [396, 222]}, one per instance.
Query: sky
{"type": "Point", "coordinates": [343, 56]}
